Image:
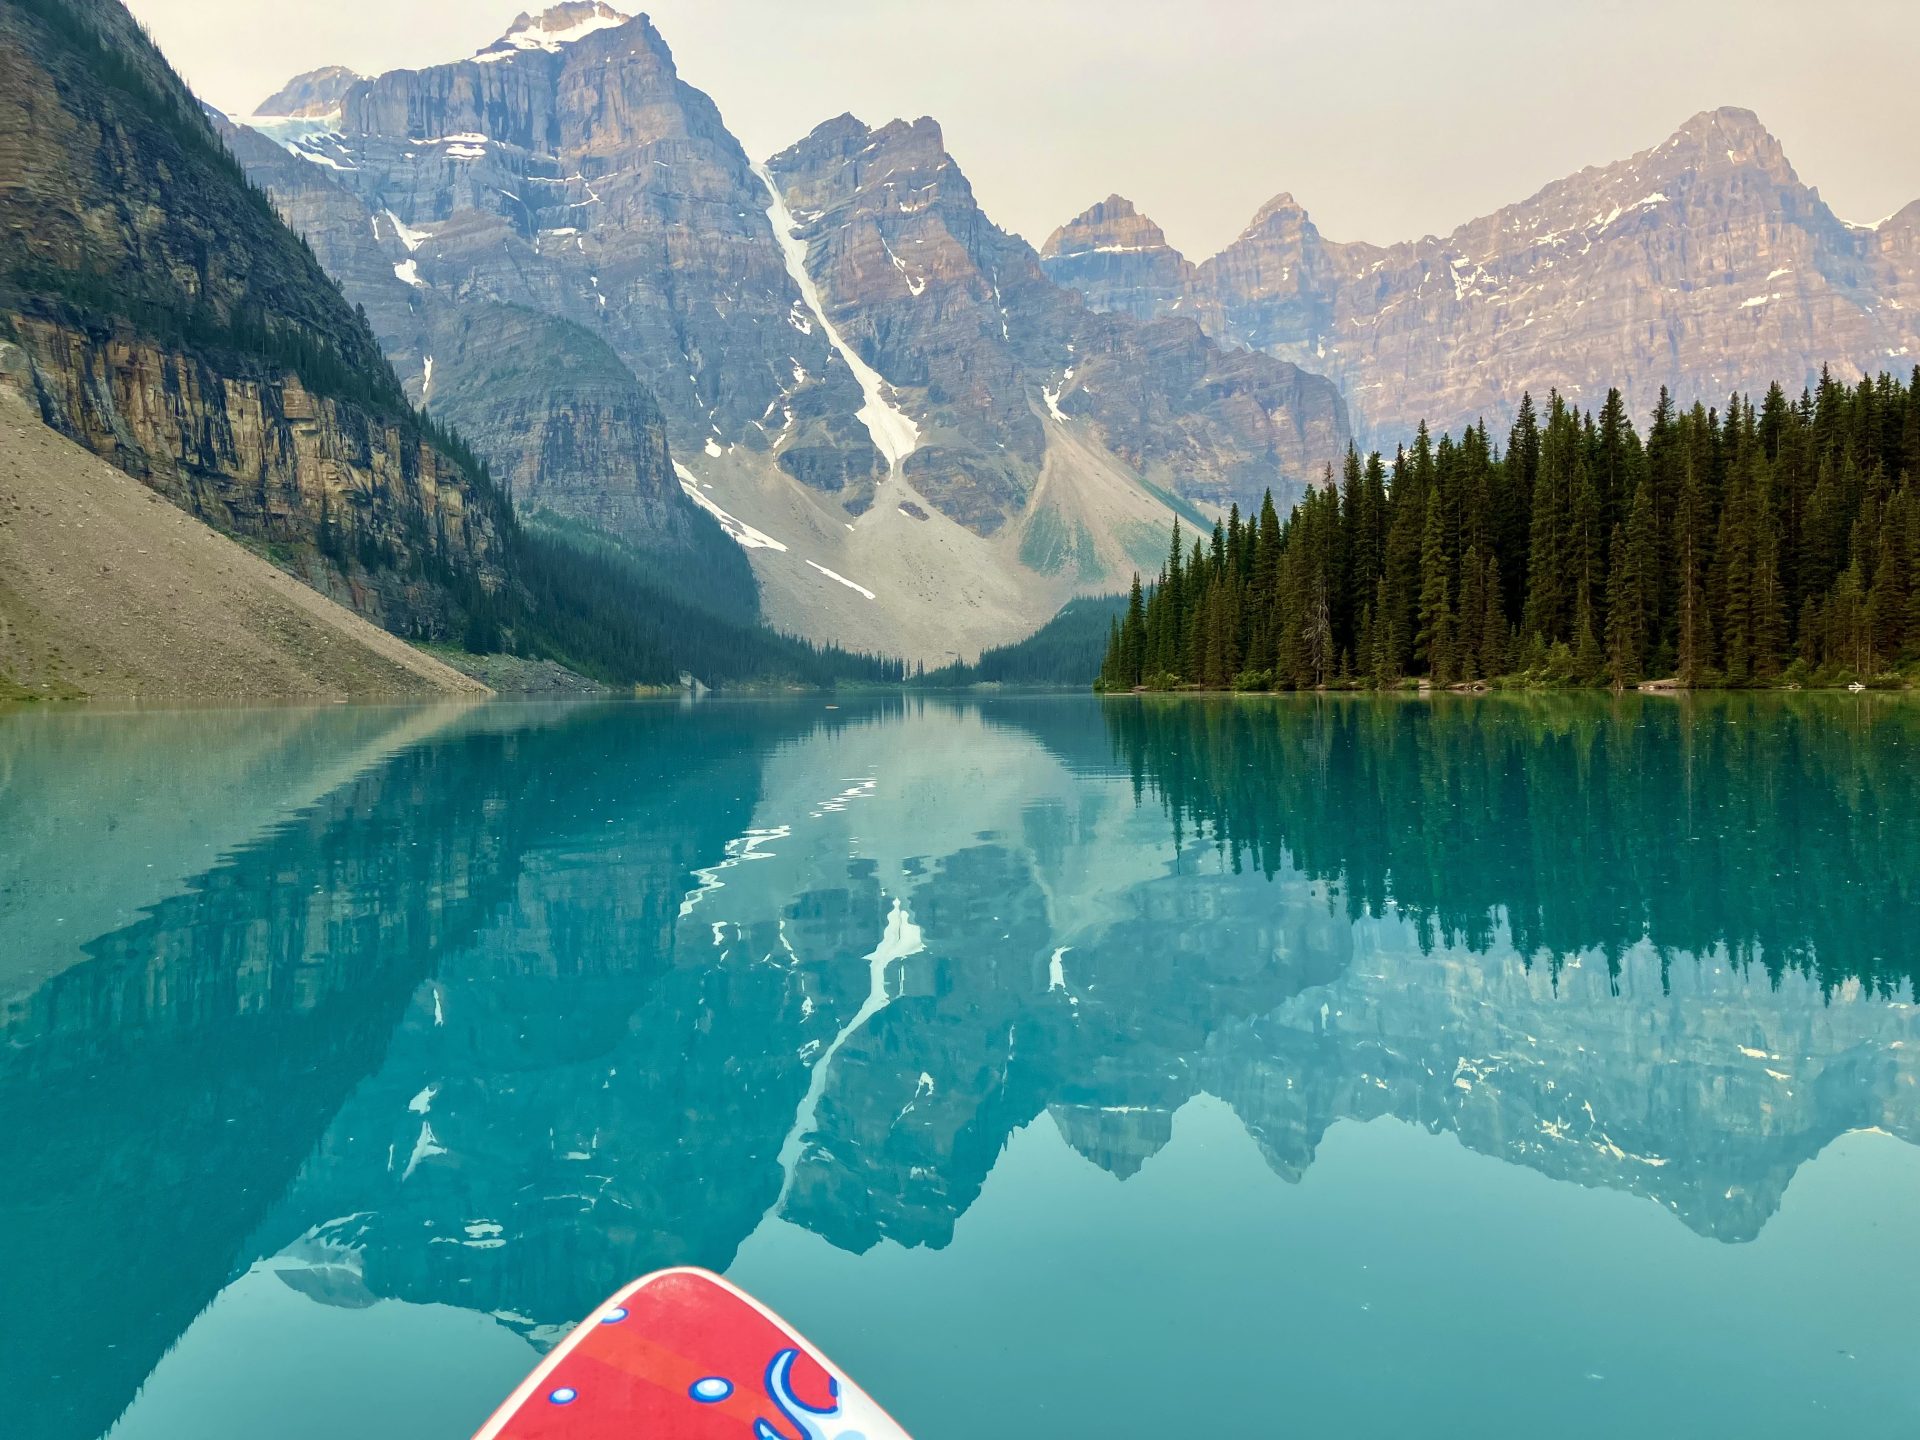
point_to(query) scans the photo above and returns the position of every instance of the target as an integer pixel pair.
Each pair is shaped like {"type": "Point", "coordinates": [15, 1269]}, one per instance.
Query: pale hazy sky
{"type": "Point", "coordinates": [1387, 119]}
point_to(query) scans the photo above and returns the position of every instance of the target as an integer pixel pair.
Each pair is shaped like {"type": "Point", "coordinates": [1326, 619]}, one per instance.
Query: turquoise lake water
{"type": "Point", "coordinates": [1143, 1068]}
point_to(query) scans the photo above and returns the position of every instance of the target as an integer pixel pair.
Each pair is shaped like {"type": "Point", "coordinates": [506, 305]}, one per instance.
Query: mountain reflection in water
{"type": "Point", "coordinates": [529, 1001]}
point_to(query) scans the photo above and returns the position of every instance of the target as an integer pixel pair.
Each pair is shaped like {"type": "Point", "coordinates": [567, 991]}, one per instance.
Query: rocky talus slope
{"type": "Point", "coordinates": [108, 592]}
{"type": "Point", "coordinates": [1703, 264]}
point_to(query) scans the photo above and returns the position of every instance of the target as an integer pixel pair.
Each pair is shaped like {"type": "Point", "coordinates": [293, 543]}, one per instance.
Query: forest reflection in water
{"type": "Point", "coordinates": [1784, 830]}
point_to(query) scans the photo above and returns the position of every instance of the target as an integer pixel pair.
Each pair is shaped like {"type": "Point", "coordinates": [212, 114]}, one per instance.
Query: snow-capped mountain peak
{"type": "Point", "coordinates": [553, 29]}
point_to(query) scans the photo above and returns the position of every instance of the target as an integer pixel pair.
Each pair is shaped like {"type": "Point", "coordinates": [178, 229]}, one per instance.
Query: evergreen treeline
{"type": "Point", "coordinates": [1769, 545]}
{"type": "Point", "coordinates": [1065, 651]}
{"type": "Point", "coordinates": [598, 609]}
{"type": "Point", "coordinates": [1453, 814]}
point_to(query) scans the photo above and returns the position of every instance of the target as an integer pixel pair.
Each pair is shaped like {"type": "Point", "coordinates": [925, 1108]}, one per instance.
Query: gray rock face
{"type": "Point", "coordinates": [589, 182]}
{"type": "Point", "coordinates": [1702, 264]}
{"type": "Point", "coordinates": [556, 414]}
{"type": "Point", "coordinates": [1120, 260]}
{"type": "Point", "coordinates": [581, 179]}
{"type": "Point", "coordinates": [359, 250]}
{"type": "Point", "coordinates": [1270, 288]}
{"type": "Point", "coordinates": [174, 327]}
{"type": "Point", "coordinates": [558, 417]}
{"type": "Point", "coordinates": [962, 314]}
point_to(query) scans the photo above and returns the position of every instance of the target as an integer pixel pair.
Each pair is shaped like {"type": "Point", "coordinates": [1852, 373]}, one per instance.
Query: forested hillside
{"type": "Point", "coordinates": [1769, 544]}
{"type": "Point", "coordinates": [1064, 651]}
{"type": "Point", "coordinates": [605, 611]}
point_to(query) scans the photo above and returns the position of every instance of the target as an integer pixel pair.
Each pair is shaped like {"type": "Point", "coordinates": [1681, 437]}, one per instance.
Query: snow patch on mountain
{"type": "Point", "coordinates": [552, 30]}
{"type": "Point", "coordinates": [742, 534]}
{"type": "Point", "coordinates": [291, 130]}
{"type": "Point", "coordinates": [835, 575]}
{"type": "Point", "coordinates": [894, 433]}
{"type": "Point", "coordinates": [408, 236]}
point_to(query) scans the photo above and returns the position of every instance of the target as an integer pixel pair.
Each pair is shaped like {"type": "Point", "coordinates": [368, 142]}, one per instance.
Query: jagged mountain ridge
{"type": "Point", "coordinates": [579, 176]}
{"type": "Point", "coordinates": [959, 311]}
{"type": "Point", "coordinates": [1703, 264]}
{"type": "Point", "coordinates": [1120, 260]}
{"type": "Point", "coordinates": [549, 30]}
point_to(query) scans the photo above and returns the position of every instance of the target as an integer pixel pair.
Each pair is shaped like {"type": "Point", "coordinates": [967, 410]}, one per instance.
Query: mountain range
{"type": "Point", "coordinates": [924, 443]}
{"type": "Point", "coordinates": [928, 434]}
{"type": "Point", "coordinates": [157, 312]}
{"type": "Point", "coordinates": [581, 303]}
{"type": "Point", "coordinates": [1704, 265]}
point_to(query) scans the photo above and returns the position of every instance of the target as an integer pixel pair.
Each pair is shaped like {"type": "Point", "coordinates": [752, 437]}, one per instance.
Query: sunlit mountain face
{"type": "Point", "coordinates": [1011, 1049]}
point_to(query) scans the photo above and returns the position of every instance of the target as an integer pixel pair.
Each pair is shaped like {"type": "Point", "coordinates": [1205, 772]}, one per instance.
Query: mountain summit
{"type": "Point", "coordinates": [553, 28]}
{"type": "Point", "coordinates": [1119, 259]}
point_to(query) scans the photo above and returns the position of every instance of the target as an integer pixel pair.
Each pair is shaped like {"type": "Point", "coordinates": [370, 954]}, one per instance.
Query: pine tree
{"type": "Point", "coordinates": [1110, 667]}
{"type": "Point", "coordinates": [1693, 642]}
{"type": "Point", "coordinates": [1626, 614]}
{"type": "Point", "coordinates": [1471, 659]}
{"type": "Point", "coordinates": [1433, 641]}
{"type": "Point", "coordinates": [1317, 633]}
{"type": "Point", "coordinates": [1766, 594]}
{"type": "Point", "coordinates": [1133, 637]}
{"type": "Point", "coordinates": [1733, 580]}
{"type": "Point", "coordinates": [1399, 607]}
{"type": "Point", "coordinates": [1494, 636]}
{"type": "Point", "coordinates": [1171, 660]}
{"type": "Point", "coordinates": [1552, 552]}
{"type": "Point", "coordinates": [1385, 664]}
{"type": "Point", "coordinates": [1588, 661]}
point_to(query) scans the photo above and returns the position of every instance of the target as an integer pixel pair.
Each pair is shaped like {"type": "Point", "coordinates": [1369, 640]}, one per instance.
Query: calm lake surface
{"type": "Point", "coordinates": [1150, 1068]}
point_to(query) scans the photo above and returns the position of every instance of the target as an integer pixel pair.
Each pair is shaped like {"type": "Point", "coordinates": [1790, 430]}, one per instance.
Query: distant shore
{"type": "Point", "coordinates": [1423, 690]}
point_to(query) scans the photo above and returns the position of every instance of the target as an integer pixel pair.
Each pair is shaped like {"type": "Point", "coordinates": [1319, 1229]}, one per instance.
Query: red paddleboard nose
{"type": "Point", "coordinates": [683, 1355]}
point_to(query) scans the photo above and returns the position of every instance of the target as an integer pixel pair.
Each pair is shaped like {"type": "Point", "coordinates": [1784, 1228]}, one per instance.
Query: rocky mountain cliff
{"type": "Point", "coordinates": [1703, 264]}
{"type": "Point", "coordinates": [962, 316]}
{"type": "Point", "coordinates": [896, 469]}
{"type": "Point", "coordinates": [172, 325]}
{"type": "Point", "coordinates": [561, 421]}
